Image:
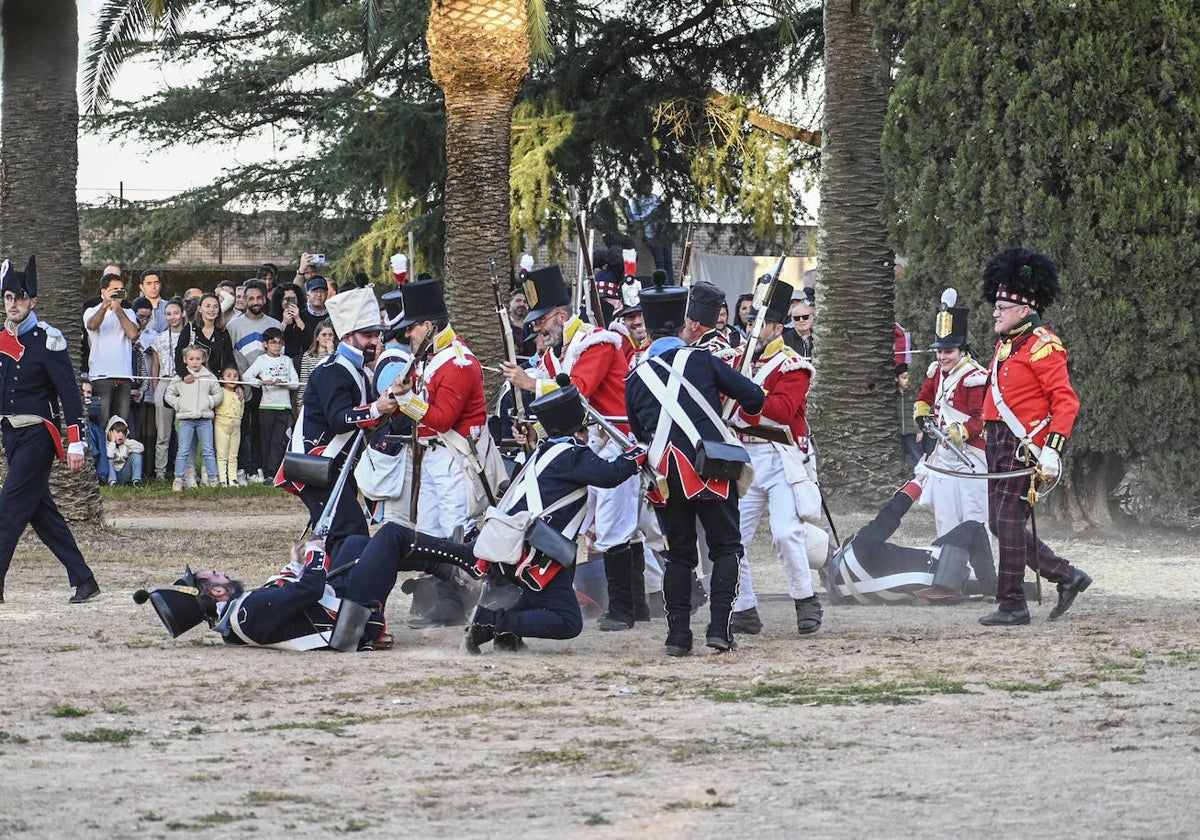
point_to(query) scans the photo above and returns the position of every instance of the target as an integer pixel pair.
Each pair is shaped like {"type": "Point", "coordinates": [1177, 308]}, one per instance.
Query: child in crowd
{"type": "Point", "coordinates": [276, 374]}
{"type": "Point", "coordinates": [124, 455]}
{"type": "Point", "coordinates": [194, 403]}
{"type": "Point", "coordinates": [227, 426]}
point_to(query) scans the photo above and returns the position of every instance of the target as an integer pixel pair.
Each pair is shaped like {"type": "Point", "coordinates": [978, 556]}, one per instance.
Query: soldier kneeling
{"type": "Point", "coordinates": [538, 566]}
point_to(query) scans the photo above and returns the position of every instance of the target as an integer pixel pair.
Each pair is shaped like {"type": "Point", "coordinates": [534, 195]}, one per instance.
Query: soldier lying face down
{"type": "Point", "coordinates": [867, 569]}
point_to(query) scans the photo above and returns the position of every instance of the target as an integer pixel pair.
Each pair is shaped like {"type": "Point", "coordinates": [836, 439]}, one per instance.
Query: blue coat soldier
{"type": "Point", "coordinates": [338, 401]}
{"type": "Point", "coordinates": [302, 607]}
{"type": "Point", "coordinates": [35, 374]}
{"type": "Point", "coordinates": [664, 411]}
{"type": "Point", "coordinates": [555, 480]}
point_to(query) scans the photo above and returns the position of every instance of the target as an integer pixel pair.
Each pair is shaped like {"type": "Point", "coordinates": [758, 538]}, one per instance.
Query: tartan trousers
{"type": "Point", "coordinates": [1008, 513]}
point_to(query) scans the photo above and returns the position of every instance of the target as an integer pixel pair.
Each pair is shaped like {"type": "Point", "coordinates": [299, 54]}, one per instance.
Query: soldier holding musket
{"type": "Point", "coordinates": [672, 400]}
{"type": "Point", "coordinates": [593, 359]}
{"type": "Point", "coordinates": [784, 472]}
{"type": "Point", "coordinates": [1030, 409]}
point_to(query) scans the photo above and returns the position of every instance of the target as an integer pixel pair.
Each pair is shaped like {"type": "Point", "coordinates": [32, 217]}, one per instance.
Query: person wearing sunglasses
{"type": "Point", "coordinates": [799, 334]}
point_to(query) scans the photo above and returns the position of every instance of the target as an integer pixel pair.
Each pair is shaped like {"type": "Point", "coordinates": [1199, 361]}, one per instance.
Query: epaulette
{"type": "Point", "coordinates": [795, 361]}
{"type": "Point", "coordinates": [976, 378]}
{"type": "Point", "coordinates": [460, 358]}
{"type": "Point", "coordinates": [1044, 344]}
{"type": "Point", "coordinates": [55, 340]}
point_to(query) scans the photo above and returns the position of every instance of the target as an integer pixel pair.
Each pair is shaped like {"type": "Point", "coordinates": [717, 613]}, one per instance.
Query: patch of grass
{"type": "Point", "coordinates": [596, 818]}
{"type": "Point", "coordinates": [1026, 687]}
{"type": "Point", "coordinates": [10, 738]}
{"type": "Point", "coordinates": [571, 756]}
{"type": "Point", "coordinates": [69, 711]}
{"type": "Point", "coordinates": [101, 735]}
{"type": "Point", "coordinates": [1125, 748]}
{"type": "Point", "coordinates": [149, 816]}
{"type": "Point", "coordinates": [196, 730]}
{"type": "Point", "coordinates": [333, 727]}
{"type": "Point", "coordinates": [63, 648]}
{"type": "Point", "coordinates": [352, 826]}
{"type": "Point", "coordinates": [890, 693]}
{"type": "Point", "coordinates": [1111, 723]}
{"type": "Point", "coordinates": [1176, 658]}
{"type": "Point", "coordinates": [206, 821]}
{"type": "Point", "coordinates": [264, 797]}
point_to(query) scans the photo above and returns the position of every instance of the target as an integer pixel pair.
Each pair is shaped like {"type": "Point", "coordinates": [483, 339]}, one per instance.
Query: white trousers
{"type": "Point", "coordinates": [956, 500]}
{"type": "Point", "coordinates": [771, 492]}
{"type": "Point", "coordinates": [442, 501]}
{"type": "Point", "coordinates": [614, 509]}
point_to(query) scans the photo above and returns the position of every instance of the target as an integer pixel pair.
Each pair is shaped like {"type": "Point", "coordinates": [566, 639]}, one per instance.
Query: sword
{"type": "Point", "coordinates": [990, 476]}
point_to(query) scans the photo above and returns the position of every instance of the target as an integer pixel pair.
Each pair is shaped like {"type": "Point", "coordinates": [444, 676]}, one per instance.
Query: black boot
{"type": "Point", "coordinates": [679, 634]}
{"type": "Point", "coordinates": [481, 630]}
{"type": "Point", "coordinates": [617, 563]}
{"type": "Point", "coordinates": [437, 551]}
{"type": "Point", "coordinates": [723, 590]}
{"type": "Point", "coordinates": [637, 582]}
{"type": "Point", "coordinates": [808, 615]}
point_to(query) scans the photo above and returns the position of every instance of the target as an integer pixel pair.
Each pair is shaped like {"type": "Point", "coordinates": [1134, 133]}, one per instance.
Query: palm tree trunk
{"type": "Point", "coordinates": [40, 156]}
{"type": "Point", "coordinates": [478, 55]}
{"type": "Point", "coordinates": [853, 405]}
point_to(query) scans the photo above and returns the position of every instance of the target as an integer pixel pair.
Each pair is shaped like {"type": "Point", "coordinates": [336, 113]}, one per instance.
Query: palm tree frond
{"type": "Point", "coordinates": [119, 23]}
{"type": "Point", "coordinates": [537, 24]}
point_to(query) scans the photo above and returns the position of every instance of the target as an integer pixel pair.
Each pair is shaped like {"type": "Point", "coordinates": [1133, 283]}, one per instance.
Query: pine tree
{"type": "Point", "coordinates": [1072, 128]}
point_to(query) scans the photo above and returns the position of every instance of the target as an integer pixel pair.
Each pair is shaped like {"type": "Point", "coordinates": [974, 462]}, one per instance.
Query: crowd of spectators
{"type": "Point", "coordinates": [201, 388]}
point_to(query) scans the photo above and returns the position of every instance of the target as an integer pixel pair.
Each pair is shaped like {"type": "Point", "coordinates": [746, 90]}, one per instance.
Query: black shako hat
{"type": "Point", "coordinates": [664, 308]}
{"type": "Point", "coordinates": [781, 300]}
{"type": "Point", "coordinates": [178, 606]}
{"type": "Point", "coordinates": [560, 412]}
{"type": "Point", "coordinates": [704, 303]}
{"type": "Point", "coordinates": [422, 301]}
{"type": "Point", "coordinates": [20, 283]}
{"type": "Point", "coordinates": [545, 289]}
{"type": "Point", "coordinates": [1022, 276]}
{"type": "Point", "coordinates": [393, 304]}
{"type": "Point", "coordinates": [950, 323]}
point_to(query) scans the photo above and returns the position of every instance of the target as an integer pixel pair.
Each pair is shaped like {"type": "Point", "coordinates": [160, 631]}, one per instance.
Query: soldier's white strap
{"type": "Point", "coordinates": [313, 641]}
{"type": "Point", "coordinates": [1010, 419]}
{"type": "Point", "coordinates": [861, 586]}
{"type": "Point", "coordinates": [526, 486]}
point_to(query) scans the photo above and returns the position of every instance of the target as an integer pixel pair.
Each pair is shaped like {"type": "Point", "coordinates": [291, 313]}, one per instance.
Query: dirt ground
{"type": "Point", "coordinates": [892, 721]}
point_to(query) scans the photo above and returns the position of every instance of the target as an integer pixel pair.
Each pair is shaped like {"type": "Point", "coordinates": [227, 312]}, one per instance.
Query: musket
{"type": "Point", "coordinates": [590, 299]}
{"type": "Point", "coordinates": [412, 253]}
{"type": "Point", "coordinates": [325, 522]}
{"type": "Point", "coordinates": [657, 480]}
{"type": "Point", "coordinates": [763, 294]}
{"type": "Point", "coordinates": [510, 350]}
{"type": "Point", "coordinates": [418, 450]}
{"type": "Point", "coordinates": [685, 267]}
{"type": "Point", "coordinates": [944, 439]}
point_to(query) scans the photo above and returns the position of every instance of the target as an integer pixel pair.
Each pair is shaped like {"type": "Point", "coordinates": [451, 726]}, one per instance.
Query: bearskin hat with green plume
{"type": "Point", "coordinates": [1022, 276]}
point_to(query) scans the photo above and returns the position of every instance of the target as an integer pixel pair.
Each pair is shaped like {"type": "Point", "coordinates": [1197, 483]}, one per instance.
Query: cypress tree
{"type": "Point", "coordinates": [1073, 129]}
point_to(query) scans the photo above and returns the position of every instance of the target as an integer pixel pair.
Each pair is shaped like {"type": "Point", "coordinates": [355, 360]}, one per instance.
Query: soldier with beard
{"type": "Point", "coordinates": [595, 361]}
{"type": "Point", "coordinates": [338, 401]}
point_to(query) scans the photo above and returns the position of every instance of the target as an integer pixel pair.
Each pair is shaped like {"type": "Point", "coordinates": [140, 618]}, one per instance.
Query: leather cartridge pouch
{"type": "Point", "coordinates": [310, 470]}
{"type": "Point", "coordinates": [715, 459]}
{"type": "Point", "coordinates": [951, 571]}
{"type": "Point", "coordinates": [544, 538]}
{"type": "Point", "coordinates": [348, 629]}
